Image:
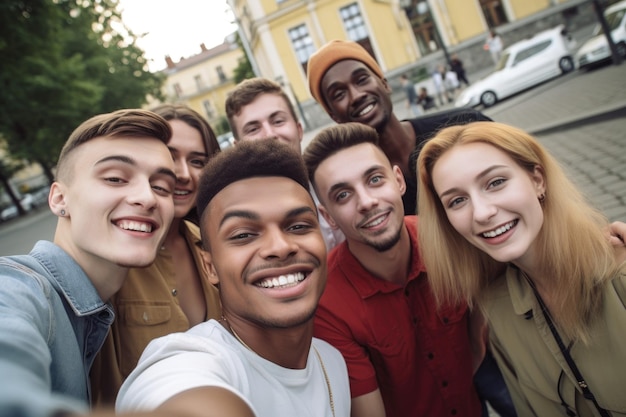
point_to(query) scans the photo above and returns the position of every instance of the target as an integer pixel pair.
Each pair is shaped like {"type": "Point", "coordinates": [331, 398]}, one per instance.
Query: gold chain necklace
{"type": "Point", "coordinates": [319, 357]}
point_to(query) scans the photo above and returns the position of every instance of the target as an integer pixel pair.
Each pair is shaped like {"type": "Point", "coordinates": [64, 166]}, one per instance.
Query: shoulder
{"type": "Point", "coordinates": [24, 272]}
{"type": "Point", "coordinates": [191, 230]}
{"type": "Point", "coordinates": [427, 126]}
{"type": "Point", "coordinates": [619, 285]}
{"type": "Point", "coordinates": [333, 359]}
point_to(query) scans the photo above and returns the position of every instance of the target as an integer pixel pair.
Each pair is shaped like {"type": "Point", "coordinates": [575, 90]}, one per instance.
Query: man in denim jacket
{"type": "Point", "coordinates": [113, 197]}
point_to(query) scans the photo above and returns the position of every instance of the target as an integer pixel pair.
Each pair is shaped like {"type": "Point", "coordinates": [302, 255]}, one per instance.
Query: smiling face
{"type": "Point", "coordinates": [355, 94]}
{"type": "Point", "coordinates": [190, 156]}
{"type": "Point", "coordinates": [266, 251]}
{"type": "Point", "coordinates": [268, 117]}
{"type": "Point", "coordinates": [118, 202]}
{"type": "Point", "coordinates": [491, 201]}
{"type": "Point", "coordinates": [361, 194]}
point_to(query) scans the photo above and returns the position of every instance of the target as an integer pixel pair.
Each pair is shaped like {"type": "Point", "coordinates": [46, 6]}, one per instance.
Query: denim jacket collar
{"type": "Point", "coordinates": [69, 278]}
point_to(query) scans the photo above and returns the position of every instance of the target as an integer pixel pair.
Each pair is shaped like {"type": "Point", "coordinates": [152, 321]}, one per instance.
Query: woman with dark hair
{"type": "Point", "coordinates": [173, 294]}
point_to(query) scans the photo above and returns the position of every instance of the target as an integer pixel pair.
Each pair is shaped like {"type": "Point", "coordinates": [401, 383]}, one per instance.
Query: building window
{"type": "Point", "coordinates": [178, 90]}
{"type": "Point", "coordinates": [208, 109]}
{"type": "Point", "coordinates": [199, 82]}
{"type": "Point", "coordinates": [302, 44]}
{"type": "Point", "coordinates": [355, 26]}
{"type": "Point", "coordinates": [220, 74]}
{"type": "Point", "coordinates": [424, 29]}
{"type": "Point", "coordinates": [494, 12]}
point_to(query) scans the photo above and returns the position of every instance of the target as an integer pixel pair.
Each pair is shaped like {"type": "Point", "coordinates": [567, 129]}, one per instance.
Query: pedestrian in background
{"type": "Point", "coordinates": [411, 95]}
{"type": "Point", "coordinates": [494, 46]}
{"type": "Point", "coordinates": [456, 65]}
{"type": "Point", "coordinates": [113, 199]}
{"type": "Point", "coordinates": [426, 100]}
{"type": "Point", "coordinates": [503, 228]}
{"type": "Point", "coordinates": [174, 293]}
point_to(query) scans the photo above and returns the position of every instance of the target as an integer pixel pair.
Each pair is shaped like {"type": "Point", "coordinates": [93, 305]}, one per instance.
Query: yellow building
{"type": "Point", "coordinates": [203, 80]}
{"type": "Point", "coordinates": [400, 34]}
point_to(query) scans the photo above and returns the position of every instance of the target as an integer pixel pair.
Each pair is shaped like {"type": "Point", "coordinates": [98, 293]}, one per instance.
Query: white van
{"type": "Point", "coordinates": [596, 49]}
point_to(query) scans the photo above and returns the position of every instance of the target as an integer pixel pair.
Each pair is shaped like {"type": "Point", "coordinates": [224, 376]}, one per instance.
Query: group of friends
{"type": "Point", "coordinates": [265, 280]}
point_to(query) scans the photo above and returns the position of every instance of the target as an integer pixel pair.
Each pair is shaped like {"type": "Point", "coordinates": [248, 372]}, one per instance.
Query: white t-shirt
{"type": "Point", "coordinates": [208, 355]}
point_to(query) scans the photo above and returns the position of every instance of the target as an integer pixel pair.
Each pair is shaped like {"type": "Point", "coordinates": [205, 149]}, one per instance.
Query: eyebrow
{"type": "Point", "coordinates": [480, 175]}
{"type": "Point", "coordinates": [366, 174]}
{"type": "Point", "coordinates": [250, 215]}
{"type": "Point", "coordinates": [354, 73]}
{"type": "Point", "coordinates": [130, 161]}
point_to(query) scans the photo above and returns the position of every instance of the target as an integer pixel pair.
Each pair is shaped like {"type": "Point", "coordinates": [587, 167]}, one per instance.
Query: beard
{"type": "Point", "coordinates": [385, 245]}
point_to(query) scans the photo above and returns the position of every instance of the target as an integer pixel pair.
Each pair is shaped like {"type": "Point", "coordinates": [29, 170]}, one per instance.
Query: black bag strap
{"type": "Point", "coordinates": [579, 378]}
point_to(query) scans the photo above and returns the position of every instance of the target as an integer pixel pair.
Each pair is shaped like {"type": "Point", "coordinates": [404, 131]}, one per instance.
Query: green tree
{"type": "Point", "coordinates": [63, 62]}
{"type": "Point", "coordinates": [243, 71]}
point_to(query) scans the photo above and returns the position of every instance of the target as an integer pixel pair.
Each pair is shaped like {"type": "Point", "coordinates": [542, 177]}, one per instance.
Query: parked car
{"type": "Point", "coordinates": [9, 212]}
{"type": "Point", "coordinates": [523, 65]}
{"type": "Point", "coordinates": [596, 50]}
{"type": "Point", "coordinates": [225, 140]}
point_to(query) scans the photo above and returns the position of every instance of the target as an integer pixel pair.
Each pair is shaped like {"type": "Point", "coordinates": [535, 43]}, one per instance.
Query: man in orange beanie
{"type": "Point", "coordinates": [350, 85]}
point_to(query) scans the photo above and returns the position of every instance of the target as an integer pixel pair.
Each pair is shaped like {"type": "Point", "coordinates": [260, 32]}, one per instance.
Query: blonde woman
{"type": "Point", "coordinates": [504, 228]}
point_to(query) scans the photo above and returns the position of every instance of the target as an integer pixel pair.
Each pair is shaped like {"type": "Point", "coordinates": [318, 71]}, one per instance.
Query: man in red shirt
{"type": "Point", "coordinates": [405, 356]}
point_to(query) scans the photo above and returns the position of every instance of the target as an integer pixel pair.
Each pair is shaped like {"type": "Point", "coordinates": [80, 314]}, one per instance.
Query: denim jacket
{"type": "Point", "coordinates": [52, 323]}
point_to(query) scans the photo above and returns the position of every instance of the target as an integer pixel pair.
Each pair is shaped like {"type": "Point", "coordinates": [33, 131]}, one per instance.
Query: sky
{"type": "Point", "coordinates": [176, 27]}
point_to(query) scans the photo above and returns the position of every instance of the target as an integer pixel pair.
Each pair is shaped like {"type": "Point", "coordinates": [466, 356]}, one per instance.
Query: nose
{"type": "Point", "coordinates": [143, 195]}
{"type": "Point", "coordinates": [181, 169]}
{"type": "Point", "coordinates": [278, 244]}
{"type": "Point", "coordinates": [267, 131]}
{"type": "Point", "coordinates": [355, 93]}
{"type": "Point", "coordinates": [483, 209]}
{"type": "Point", "coordinates": [365, 201]}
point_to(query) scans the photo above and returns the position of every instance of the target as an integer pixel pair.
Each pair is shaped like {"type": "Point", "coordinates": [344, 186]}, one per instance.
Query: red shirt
{"type": "Point", "coordinates": [393, 338]}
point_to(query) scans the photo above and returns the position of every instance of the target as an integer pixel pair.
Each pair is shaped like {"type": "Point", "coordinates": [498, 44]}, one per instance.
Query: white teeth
{"type": "Point", "coordinates": [500, 230]}
{"type": "Point", "coordinates": [366, 110]}
{"type": "Point", "coordinates": [282, 281]}
{"type": "Point", "coordinates": [135, 225]}
{"type": "Point", "coordinates": [375, 222]}
{"type": "Point", "coordinates": [181, 192]}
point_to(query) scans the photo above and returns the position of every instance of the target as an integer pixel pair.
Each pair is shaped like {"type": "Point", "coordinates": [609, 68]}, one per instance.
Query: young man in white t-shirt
{"type": "Point", "coordinates": [264, 249]}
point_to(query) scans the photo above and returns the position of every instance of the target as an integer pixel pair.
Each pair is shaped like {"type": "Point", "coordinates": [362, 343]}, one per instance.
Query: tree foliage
{"type": "Point", "coordinates": [243, 71]}
{"type": "Point", "coordinates": [63, 62]}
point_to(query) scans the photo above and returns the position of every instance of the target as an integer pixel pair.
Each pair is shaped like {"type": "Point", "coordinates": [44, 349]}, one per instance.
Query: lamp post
{"type": "Point", "coordinates": [617, 58]}
{"type": "Point", "coordinates": [244, 40]}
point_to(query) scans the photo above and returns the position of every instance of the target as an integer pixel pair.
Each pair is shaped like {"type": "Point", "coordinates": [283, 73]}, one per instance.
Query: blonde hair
{"type": "Point", "coordinates": [573, 247]}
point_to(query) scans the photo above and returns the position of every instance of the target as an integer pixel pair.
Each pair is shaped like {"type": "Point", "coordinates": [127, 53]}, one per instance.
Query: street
{"type": "Point", "coordinates": [580, 117]}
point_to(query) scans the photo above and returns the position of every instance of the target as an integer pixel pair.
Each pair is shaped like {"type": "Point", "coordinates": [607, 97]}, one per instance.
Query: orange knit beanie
{"type": "Point", "coordinates": [327, 56]}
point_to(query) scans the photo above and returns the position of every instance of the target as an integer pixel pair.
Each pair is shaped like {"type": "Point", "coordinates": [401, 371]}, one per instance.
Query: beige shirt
{"type": "Point", "coordinates": [532, 364]}
{"type": "Point", "coordinates": [146, 307]}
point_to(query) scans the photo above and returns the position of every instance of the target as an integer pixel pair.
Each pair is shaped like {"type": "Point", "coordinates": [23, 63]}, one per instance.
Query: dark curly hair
{"type": "Point", "coordinates": [249, 159]}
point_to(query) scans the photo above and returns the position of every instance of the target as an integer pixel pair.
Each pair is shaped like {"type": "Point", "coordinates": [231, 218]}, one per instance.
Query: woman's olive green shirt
{"type": "Point", "coordinates": [536, 372]}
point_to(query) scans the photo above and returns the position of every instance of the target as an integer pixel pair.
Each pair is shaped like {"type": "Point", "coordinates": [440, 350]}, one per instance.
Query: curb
{"type": "Point", "coordinates": [601, 114]}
